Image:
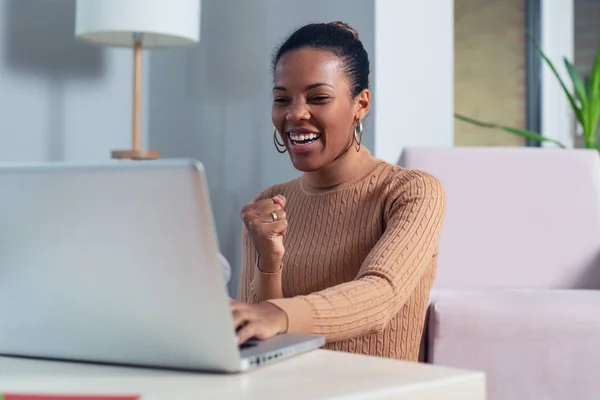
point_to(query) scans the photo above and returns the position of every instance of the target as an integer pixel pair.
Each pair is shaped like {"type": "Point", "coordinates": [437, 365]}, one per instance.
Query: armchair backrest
{"type": "Point", "coordinates": [516, 217]}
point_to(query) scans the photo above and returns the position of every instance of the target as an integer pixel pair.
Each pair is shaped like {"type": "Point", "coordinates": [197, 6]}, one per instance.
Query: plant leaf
{"type": "Point", "coordinates": [578, 84]}
{"type": "Point", "coordinates": [594, 79]}
{"type": "Point", "coordinates": [515, 131]}
{"type": "Point", "coordinates": [593, 110]}
{"type": "Point", "coordinates": [576, 109]}
{"type": "Point", "coordinates": [584, 100]}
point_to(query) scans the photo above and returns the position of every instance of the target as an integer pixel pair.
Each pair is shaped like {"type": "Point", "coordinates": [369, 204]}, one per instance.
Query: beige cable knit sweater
{"type": "Point", "coordinates": [360, 259]}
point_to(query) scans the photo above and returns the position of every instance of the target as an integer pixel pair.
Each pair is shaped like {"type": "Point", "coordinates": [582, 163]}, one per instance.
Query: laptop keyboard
{"type": "Point", "coordinates": [248, 344]}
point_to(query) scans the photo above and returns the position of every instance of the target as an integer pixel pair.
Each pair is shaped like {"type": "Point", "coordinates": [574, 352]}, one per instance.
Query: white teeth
{"type": "Point", "coordinates": [299, 137]}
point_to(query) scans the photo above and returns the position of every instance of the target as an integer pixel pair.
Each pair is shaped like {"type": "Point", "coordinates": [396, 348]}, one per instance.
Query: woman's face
{"type": "Point", "coordinates": [313, 109]}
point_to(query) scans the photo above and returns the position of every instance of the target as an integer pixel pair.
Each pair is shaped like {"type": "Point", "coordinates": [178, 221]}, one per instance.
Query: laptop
{"type": "Point", "coordinates": [118, 262]}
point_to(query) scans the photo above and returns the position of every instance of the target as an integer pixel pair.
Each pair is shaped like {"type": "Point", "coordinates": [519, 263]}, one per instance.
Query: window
{"type": "Point", "coordinates": [492, 67]}
{"type": "Point", "coordinates": [586, 36]}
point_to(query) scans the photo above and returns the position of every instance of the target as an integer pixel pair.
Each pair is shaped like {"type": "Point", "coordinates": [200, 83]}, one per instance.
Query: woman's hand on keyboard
{"type": "Point", "coordinates": [260, 321]}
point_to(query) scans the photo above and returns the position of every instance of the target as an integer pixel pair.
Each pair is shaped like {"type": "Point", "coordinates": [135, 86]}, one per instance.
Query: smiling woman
{"type": "Point", "coordinates": [349, 249]}
{"type": "Point", "coordinates": [320, 94]}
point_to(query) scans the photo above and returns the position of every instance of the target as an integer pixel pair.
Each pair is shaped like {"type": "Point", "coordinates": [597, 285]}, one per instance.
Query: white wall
{"type": "Point", "coordinates": [414, 75]}
{"type": "Point", "coordinates": [59, 99]}
{"type": "Point", "coordinates": [66, 100]}
{"type": "Point", "coordinates": [213, 102]}
{"type": "Point", "coordinates": [557, 118]}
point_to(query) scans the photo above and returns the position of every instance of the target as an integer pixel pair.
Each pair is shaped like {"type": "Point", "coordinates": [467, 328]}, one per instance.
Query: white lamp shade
{"type": "Point", "coordinates": [162, 23]}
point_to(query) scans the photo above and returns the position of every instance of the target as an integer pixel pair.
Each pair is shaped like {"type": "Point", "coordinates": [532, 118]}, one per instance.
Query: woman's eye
{"type": "Point", "coordinates": [319, 99]}
{"type": "Point", "coordinates": [314, 99]}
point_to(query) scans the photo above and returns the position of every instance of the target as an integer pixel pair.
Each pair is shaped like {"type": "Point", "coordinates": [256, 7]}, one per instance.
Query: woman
{"type": "Point", "coordinates": [349, 249]}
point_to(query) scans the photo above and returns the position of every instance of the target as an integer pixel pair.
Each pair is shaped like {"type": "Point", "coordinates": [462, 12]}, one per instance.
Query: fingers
{"type": "Point", "coordinates": [279, 199]}
{"type": "Point", "coordinates": [247, 332]}
{"type": "Point", "coordinates": [252, 209]}
{"type": "Point", "coordinates": [268, 210]}
{"type": "Point", "coordinates": [267, 205]}
{"type": "Point", "coordinates": [247, 323]}
{"type": "Point", "coordinates": [267, 214]}
{"type": "Point", "coordinates": [250, 213]}
{"type": "Point", "coordinates": [273, 216]}
{"type": "Point", "coordinates": [254, 321]}
{"type": "Point", "coordinates": [280, 226]}
{"type": "Point", "coordinates": [242, 314]}
{"type": "Point", "coordinates": [267, 228]}
{"type": "Point", "coordinates": [258, 329]}
{"type": "Point", "coordinates": [266, 218]}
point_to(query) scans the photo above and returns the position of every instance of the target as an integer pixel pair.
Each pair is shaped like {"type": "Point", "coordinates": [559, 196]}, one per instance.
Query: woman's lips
{"type": "Point", "coordinates": [303, 142]}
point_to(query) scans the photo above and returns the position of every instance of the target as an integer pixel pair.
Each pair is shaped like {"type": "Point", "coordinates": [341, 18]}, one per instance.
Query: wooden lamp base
{"type": "Point", "coordinates": [135, 154]}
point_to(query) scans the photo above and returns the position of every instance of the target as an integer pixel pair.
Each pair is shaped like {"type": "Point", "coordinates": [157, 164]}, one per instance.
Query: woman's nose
{"type": "Point", "coordinates": [297, 112]}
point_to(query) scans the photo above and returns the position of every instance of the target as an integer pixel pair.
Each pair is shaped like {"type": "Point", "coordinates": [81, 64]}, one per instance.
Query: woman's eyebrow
{"type": "Point", "coordinates": [311, 86]}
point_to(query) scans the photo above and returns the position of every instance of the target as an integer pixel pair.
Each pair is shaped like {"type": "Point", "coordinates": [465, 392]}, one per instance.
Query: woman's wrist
{"type": "Point", "coordinates": [269, 266]}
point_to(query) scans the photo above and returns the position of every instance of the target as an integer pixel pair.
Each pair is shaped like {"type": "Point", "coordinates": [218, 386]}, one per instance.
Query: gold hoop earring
{"type": "Point", "coordinates": [277, 144]}
{"type": "Point", "coordinates": [358, 131]}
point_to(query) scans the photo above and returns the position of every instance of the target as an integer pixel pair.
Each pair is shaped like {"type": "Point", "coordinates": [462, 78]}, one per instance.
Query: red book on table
{"type": "Point", "coordinates": [15, 396]}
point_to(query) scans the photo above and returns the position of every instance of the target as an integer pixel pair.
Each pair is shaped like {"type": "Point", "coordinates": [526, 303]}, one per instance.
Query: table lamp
{"type": "Point", "coordinates": [137, 24]}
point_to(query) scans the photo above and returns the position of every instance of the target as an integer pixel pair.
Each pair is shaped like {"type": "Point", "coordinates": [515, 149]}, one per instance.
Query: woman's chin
{"type": "Point", "coordinates": [306, 164]}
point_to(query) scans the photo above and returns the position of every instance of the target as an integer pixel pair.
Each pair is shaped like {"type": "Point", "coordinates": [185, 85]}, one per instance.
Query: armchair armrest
{"type": "Point", "coordinates": [532, 344]}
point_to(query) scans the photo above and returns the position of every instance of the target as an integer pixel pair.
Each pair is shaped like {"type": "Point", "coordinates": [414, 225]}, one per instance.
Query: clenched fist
{"type": "Point", "coordinates": [266, 223]}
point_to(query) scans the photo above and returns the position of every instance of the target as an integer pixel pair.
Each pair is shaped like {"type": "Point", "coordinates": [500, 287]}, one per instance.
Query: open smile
{"type": "Point", "coordinates": [303, 138]}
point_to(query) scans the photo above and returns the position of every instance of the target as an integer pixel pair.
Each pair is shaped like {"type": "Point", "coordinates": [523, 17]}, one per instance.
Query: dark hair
{"type": "Point", "coordinates": [338, 38]}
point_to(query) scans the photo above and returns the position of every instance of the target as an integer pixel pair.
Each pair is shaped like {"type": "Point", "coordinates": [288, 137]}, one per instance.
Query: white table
{"type": "Point", "coordinates": [320, 374]}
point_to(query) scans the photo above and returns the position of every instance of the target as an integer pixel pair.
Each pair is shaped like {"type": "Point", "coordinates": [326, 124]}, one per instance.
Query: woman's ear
{"type": "Point", "coordinates": [363, 104]}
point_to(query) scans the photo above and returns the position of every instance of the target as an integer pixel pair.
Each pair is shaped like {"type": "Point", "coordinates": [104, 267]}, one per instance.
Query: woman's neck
{"type": "Point", "coordinates": [349, 168]}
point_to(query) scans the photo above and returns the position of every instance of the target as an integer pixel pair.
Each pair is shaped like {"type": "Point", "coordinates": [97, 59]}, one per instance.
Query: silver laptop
{"type": "Point", "coordinates": [118, 263]}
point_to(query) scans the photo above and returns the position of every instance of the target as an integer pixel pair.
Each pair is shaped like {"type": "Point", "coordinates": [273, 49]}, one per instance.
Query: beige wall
{"type": "Point", "coordinates": [489, 69]}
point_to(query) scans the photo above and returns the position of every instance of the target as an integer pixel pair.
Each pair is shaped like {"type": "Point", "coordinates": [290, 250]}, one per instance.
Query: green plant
{"type": "Point", "coordinates": [585, 102]}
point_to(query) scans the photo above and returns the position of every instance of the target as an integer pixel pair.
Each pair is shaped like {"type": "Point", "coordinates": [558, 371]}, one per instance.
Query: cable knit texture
{"type": "Point", "coordinates": [360, 259]}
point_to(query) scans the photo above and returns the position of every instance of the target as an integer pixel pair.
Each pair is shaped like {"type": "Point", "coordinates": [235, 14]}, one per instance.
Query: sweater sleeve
{"type": "Point", "coordinates": [390, 273]}
{"type": "Point", "coordinates": [246, 292]}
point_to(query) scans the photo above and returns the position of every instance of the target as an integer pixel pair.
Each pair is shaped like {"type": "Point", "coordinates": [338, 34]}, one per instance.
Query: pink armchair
{"type": "Point", "coordinates": [517, 291]}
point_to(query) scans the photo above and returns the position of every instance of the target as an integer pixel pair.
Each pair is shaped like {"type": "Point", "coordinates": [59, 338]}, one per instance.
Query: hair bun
{"type": "Point", "coordinates": [346, 27]}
